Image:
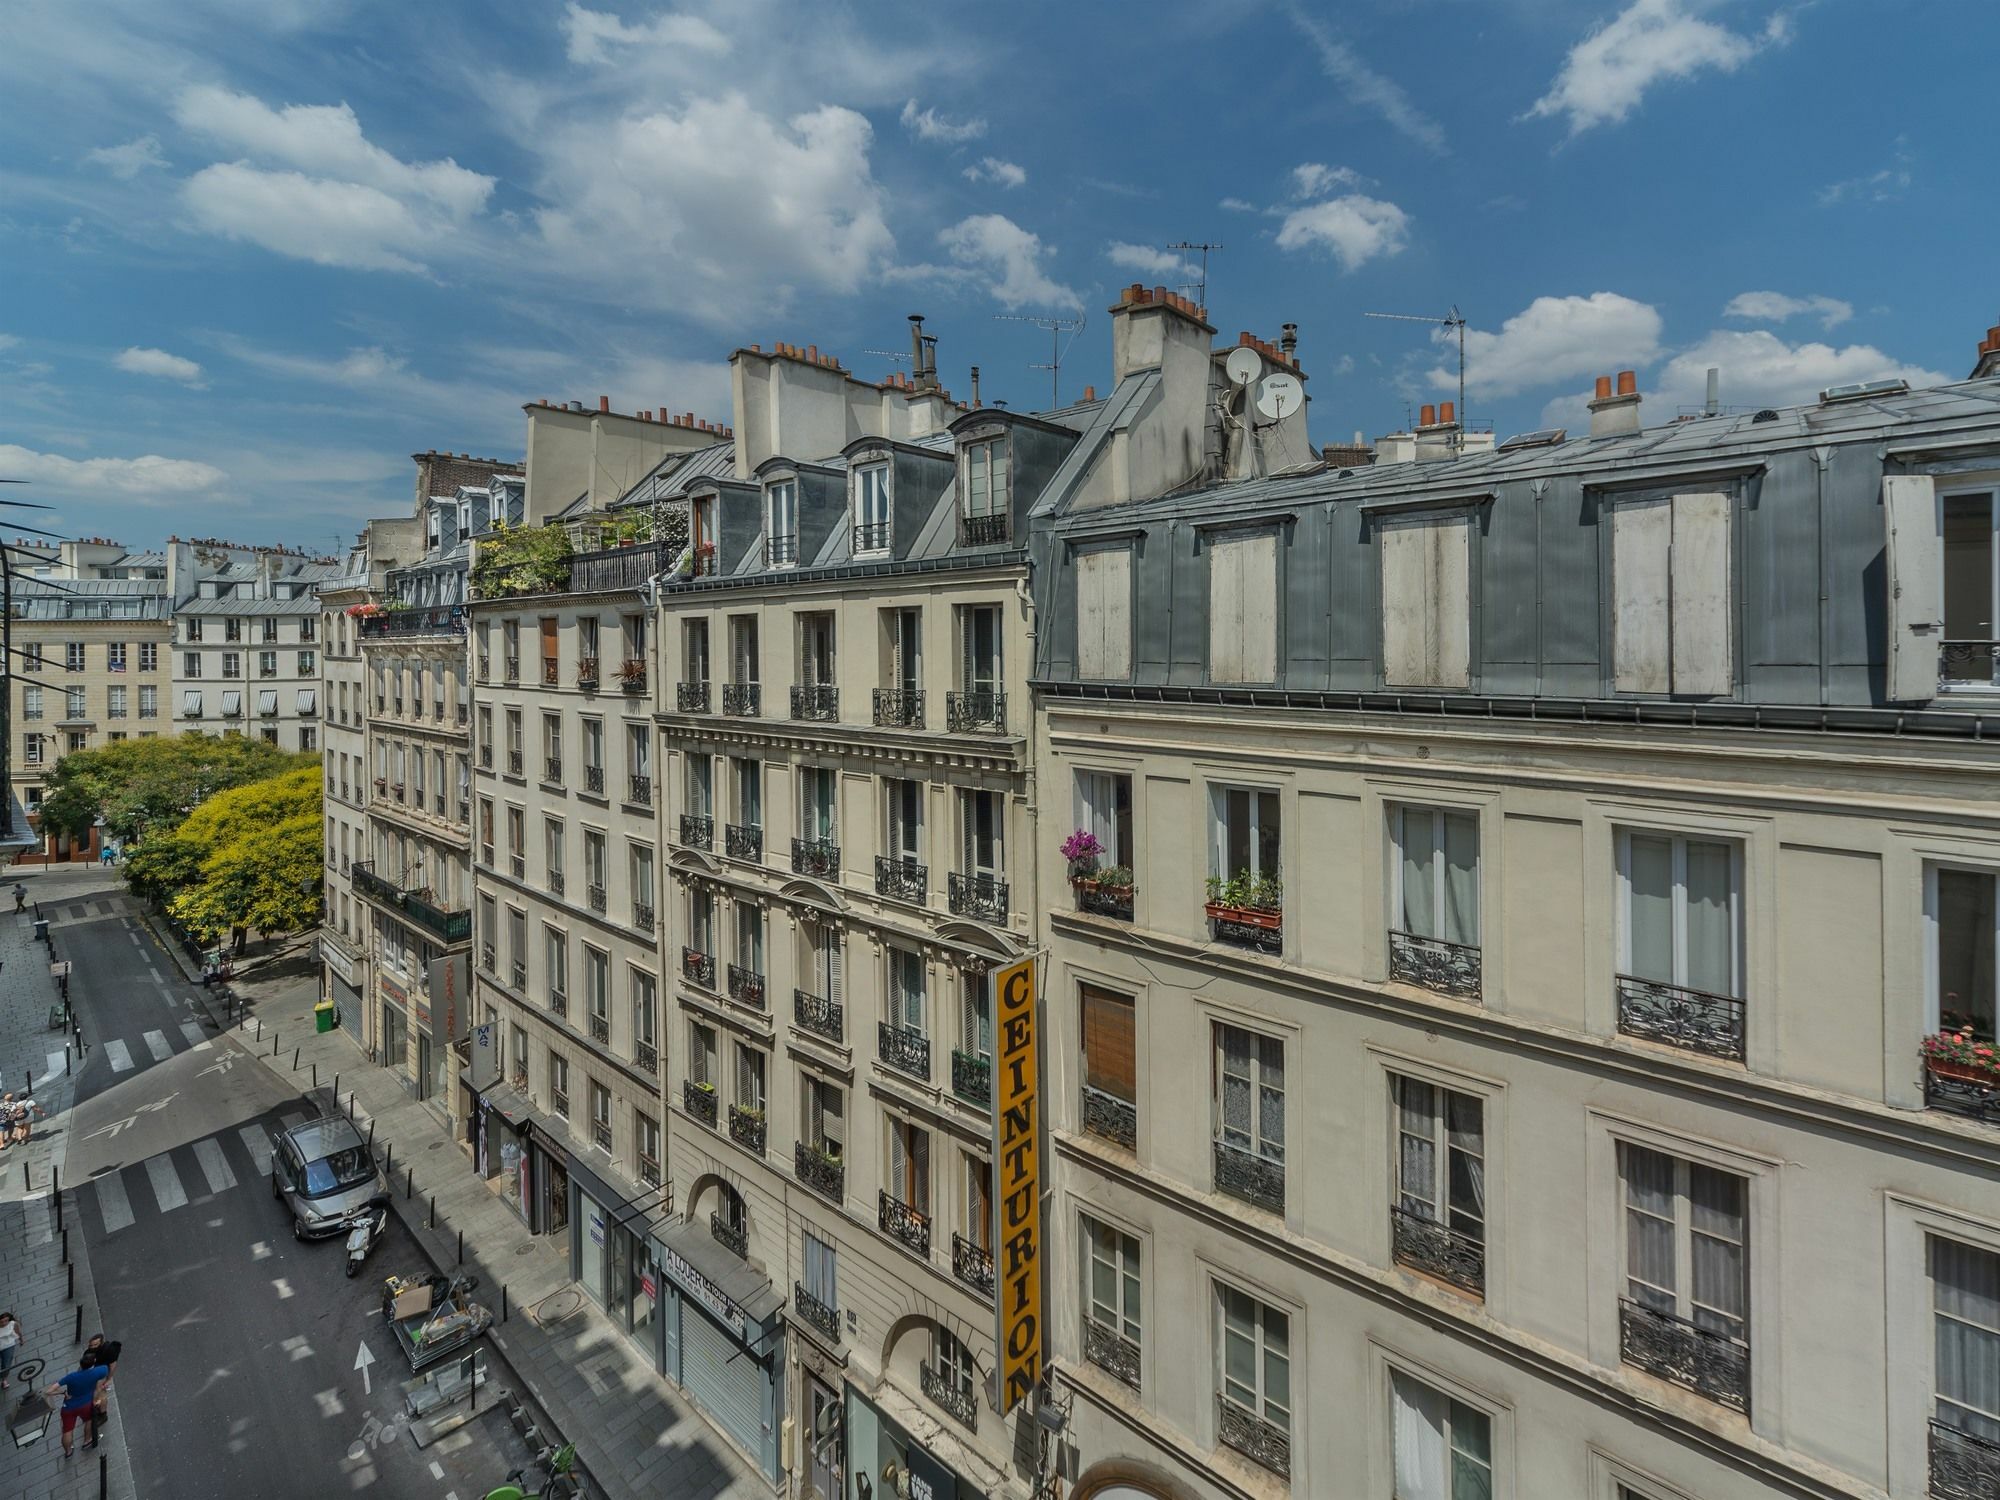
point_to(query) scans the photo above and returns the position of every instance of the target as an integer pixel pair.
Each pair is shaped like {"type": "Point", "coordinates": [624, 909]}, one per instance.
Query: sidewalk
{"type": "Point", "coordinates": [35, 1280]}
{"type": "Point", "coordinates": [636, 1436]}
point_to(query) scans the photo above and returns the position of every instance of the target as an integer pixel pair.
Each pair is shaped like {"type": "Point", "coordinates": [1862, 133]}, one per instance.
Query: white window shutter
{"type": "Point", "coordinates": [1450, 645]}
{"type": "Point", "coordinates": [1913, 553]}
{"type": "Point", "coordinates": [1225, 611]}
{"type": "Point", "coordinates": [1703, 618]}
{"type": "Point", "coordinates": [1641, 545]}
{"type": "Point", "coordinates": [1104, 613]}
{"type": "Point", "coordinates": [1426, 604]}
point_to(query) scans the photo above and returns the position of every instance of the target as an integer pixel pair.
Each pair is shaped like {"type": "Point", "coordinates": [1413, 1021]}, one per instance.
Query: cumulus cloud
{"type": "Point", "coordinates": [1354, 228]}
{"type": "Point", "coordinates": [148, 475]}
{"type": "Point", "coordinates": [1162, 265]}
{"type": "Point", "coordinates": [308, 218]}
{"type": "Point", "coordinates": [928, 125]}
{"type": "Point", "coordinates": [1551, 339]}
{"type": "Point", "coordinates": [1007, 260]}
{"type": "Point", "coordinates": [593, 36]}
{"type": "Point", "coordinates": [1366, 87]}
{"type": "Point", "coordinates": [1314, 179]}
{"type": "Point", "coordinates": [1239, 206]}
{"type": "Point", "coordinates": [129, 160]}
{"type": "Point", "coordinates": [993, 169]}
{"type": "Point", "coordinates": [158, 362]}
{"type": "Point", "coordinates": [1776, 307]}
{"type": "Point", "coordinates": [1884, 185]}
{"type": "Point", "coordinates": [1607, 74]}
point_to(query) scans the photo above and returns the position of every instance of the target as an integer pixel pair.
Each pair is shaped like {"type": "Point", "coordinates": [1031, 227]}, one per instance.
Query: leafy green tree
{"type": "Point", "coordinates": [247, 858]}
{"type": "Point", "coordinates": [143, 787]}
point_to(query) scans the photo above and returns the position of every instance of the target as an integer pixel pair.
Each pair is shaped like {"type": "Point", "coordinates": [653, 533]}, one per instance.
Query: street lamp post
{"type": "Point", "coordinates": [29, 1421]}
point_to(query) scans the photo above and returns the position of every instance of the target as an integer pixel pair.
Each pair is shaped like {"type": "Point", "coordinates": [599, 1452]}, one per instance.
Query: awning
{"type": "Point", "coordinates": [267, 702]}
{"type": "Point", "coordinates": [232, 705]}
{"type": "Point", "coordinates": [504, 1101]}
{"type": "Point", "coordinates": [732, 1289]}
{"type": "Point", "coordinates": [307, 700]}
{"type": "Point", "coordinates": [191, 704]}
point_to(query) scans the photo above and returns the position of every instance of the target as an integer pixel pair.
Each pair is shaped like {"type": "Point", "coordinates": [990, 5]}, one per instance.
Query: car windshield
{"type": "Point", "coordinates": [346, 1168]}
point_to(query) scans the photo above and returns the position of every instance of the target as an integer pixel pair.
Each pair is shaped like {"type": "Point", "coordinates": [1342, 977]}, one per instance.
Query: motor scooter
{"type": "Point", "coordinates": [363, 1230]}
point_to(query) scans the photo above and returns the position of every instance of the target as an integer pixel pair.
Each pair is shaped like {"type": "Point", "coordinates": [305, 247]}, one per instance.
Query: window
{"type": "Point", "coordinates": [979, 639]}
{"type": "Point", "coordinates": [909, 1181]}
{"type": "Point", "coordinates": [600, 1116]}
{"type": "Point", "coordinates": [597, 992]}
{"type": "Point", "coordinates": [906, 988]}
{"type": "Point", "coordinates": [114, 656]}
{"type": "Point", "coordinates": [1682, 921]}
{"type": "Point", "coordinates": [952, 1366]}
{"type": "Point", "coordinates": [1254, 1381]}
{"type": "Point", "coordinates": [517, 1048]}
{"type": "Point", "coordinates": [825, 1124]}
{"type": "Point", "coordinates": [902, 663]}
{"type": "Point", "coordinates": [781, 525]}
{"type": "Point", "coordinates": [489, 934]}
{"type": "Point", "coordinates": [308, 663]}
{"type": "Point", "coordinates": [516, 742]}
{"type": "Point", "coordinates": [645, 1018]}
{"type": "Point", "coordinates": [982, 833]}
{"type": "Point", "coordinates": [701, 923]}
{"type": "Point", "coordinates": [308, 737]}
{"type": "Point", "coordinates": [905, 832]}
{"type": "Point", "coordinates": [586, 642]}
{"type": "Point", "coordinates": [485, 815]}
{"type": "Point", "coordinates": [1670, 595]}
{"type": "Point", "coordinates": [270, 632]}
{"type": "Point", "coordinates": [593, 754]}
{"type": "Point", "coordinates": [701, 785]}
{"type": "Point", "coordinates": [743, 649]}
{"type": "Point", "coordinates": [1243, 607]}
{"type": "Point", "coordinates": [31, 702]}
{"type": "Point", "coordinates": [694, 652]}
{"type": "Point", "coordinates": [749, 938]}
{"type": "Point", "coordinates": [191, 664]}
{"type": "Point", "coordinates": [975, 1016]}
{"type": "Point", "coordinates": [267, 664]}
{"type": "Point", "coordinates": [747, 777]}
{"type": "Point", "coordinates": [749, 1078]}
{"type": "Point", "coordinates": [646, 1142]}
{"type": "Point", "coordinates": [639, 760]}
{"type": "Point", "coordinates": [552, 746]}
{"type": "Point", "coordinates": [1249, 1101]}
{"type": "Point", "coordinates": [816, 805]}
{"type": "Point", "coordinates": [816, 650]}
{"type": "Point", "coordinates": [31, 750]}
{"type": "Point", "coordinates": [1104, 613]}
{"type": "Point", "coordinates": [1110, 1072]}
{"type": "Point", "coordinates": [1960, 914]}
{"type": "Point", "coordinates": [1444, 1449]}
{"type": "Point", "coordinates": [821, 1267]}
{"type": "Point", "coordinates": [985, 479]}
{"type": "Point", "coordinates": [517, 943]}
{"type": "Point", "coordinates": [701, 1054]}
{"type": "Point", "coordinates": [1685, 1312]}
{"type": "Point", "coordinates": [232, 664]}
{"type": "Point", "coordinates": [594, 863]}
{"type": "Point", "coordinates": [552, 852]}
{"type": "Point", "coordinates": [1439, 1218]}
{"type": "Point", "coordinates": [149, 656]}
{"type": "Point", "coordinates": [871, 509]}
{"type": "Point", "coordinates": [1426, 603]}
{"type": "Point", "coordinates": [149, 702]}
{"type": "Point", "coordinates": [75, 704]}
{"type": "Point", "coordinates": [1243, 860]}
{"type": "Point", "coordinates": [306, 628]}
{"type": "Point", "coordinates": [73, 656]}
{"type": "Point", "coordinates": [641, 861]}
{"type": "Point", "coordinates": [1104, 810]}
{"type": "Point", "coordinates": [1965, 1302]}
{"type": "Point", "coordinates": [549, 627]}
{"type": "Point", "coordinates": [555, 964]}
{"type": "Point", "coordinates": [517, 826]}
{"type": "Point", "coordinates": [824, 958]}
{"type": "Point", "coordinates": [1111, 1319]}
{"type": "Point", "coordinates": [1435, 899]}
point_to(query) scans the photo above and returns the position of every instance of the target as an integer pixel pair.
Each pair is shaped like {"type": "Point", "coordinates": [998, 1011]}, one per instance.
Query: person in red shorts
{"type": "Point", "coordinates": [78, 1392]}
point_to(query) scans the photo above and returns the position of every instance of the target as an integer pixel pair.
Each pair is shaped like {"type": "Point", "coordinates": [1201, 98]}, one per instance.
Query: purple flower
{"type": "Point", "coordinates": [1081, 845]}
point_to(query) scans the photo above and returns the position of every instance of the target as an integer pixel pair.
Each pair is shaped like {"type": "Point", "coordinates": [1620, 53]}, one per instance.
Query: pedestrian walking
{"type": "Point", "coordinates": [100, 1354]}
{"type": "Point", "coordinates": [19, 1126]}
{"type": "Point", "coordinates": [78, 1394]}
{"type": "Point", "coordinates": [20, 896]}
{"type": "Point", "coordinates": [10, 1345]}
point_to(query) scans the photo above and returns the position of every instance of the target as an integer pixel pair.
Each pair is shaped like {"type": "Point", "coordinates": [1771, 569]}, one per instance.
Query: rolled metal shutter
{"type": "Point", "coordinates": [732, 1392]}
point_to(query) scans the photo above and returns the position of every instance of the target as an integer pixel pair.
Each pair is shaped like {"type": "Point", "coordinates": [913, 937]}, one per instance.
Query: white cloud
{"type": "Point", "coordinates": [1355, 228]}
{"type": "Point", "coordinates": [1008, 260]}
{"type": "Point", "coordinates": [1239, 206]}
{"type": "Point", "coordinates": [129, 160]}
{"type": "Point", "coordinates": [158, 362]}
{"type": "Point", "coordinates": [1884, 185]}
{"type": "Point", "coordinates": [1551, 339]}
{"type": "Point", "coordinates": [1607, 73]}
{"type": "Point", "coordinates": [1365, 86]}
{"type": "Point", "coordinates": [149, 474]}
{"type": "Point", "coordinates": [1314, 179]}
{"type": "Point", "coordinates": [993, 169]}
{"type": "Point", "coordinates": [928, 125]}
{"type": "Point", "coordinates": [1776, 307]}
{"type": "Point", "coordinates": [1149, 261]}
{"type": "Point", "coordinates": [596, 37]}
{"type": "Point", "coordinates": [308, 218]}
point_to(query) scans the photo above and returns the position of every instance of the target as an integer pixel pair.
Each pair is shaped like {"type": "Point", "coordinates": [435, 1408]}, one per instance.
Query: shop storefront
{"type": "Point", "coordinates": [546, 1192]}
{"type": "Point", "coordinates": [344, 978]}
{"type": "Point", "coordinates": [499, 1130]}
{"type": "Point", "coordinates": [395, 1029]}
{"type": "Point", "coordinates": [608, 1254]}
{"type": "Point", "coordinates": [722, 1338]}
{"type": "Point", "coordinates": [882, 1455]}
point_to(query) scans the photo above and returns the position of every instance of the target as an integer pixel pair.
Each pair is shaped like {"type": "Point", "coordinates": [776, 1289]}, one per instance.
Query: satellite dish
{"type": "Point", "coordinates": [1280, 395]}
{"type": "Point", "coordinates": [1243, 365]}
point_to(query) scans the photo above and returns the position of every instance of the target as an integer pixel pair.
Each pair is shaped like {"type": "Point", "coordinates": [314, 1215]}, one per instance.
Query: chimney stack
{"type": "Point", "coordinates": [1288, 341]}
{"type": "Point", "coordinates": [604, 403]}
{"type": "Point", "coordinates": [975, 385]}
{"type": "Point", "coordinates": [1613, 415]}
{"type": "Point", "coordinates": [1714, 402]}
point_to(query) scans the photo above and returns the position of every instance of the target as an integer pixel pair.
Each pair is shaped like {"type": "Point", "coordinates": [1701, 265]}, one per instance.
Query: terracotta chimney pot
{"type": "Point", "coordinates": [1446, 412]}
{"type": "Point", "coordinates": [1427, 416]}
{"type": "Point", "coordinates": [1628, 382]}
{"type": "Point", "coordinates": [1603, 387]}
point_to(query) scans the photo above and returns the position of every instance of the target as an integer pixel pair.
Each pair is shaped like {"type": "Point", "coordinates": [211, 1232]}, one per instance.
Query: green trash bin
{"type": "Point", "coordinates": [324, 1016]}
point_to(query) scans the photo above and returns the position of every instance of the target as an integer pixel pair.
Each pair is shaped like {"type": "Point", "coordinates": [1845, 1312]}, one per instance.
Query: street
{"type": "Point", "coordinates": [252, 1366]}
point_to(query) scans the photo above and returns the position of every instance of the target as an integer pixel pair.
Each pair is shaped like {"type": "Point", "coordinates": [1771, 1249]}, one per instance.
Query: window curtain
{"type": "Point", "coordinates": [1966, 1289]}
{"type": "Point", "coordinates": [1420, 1440]}
{"type": "Point", "coordinates": [1649, 1227]}
{"type": "Point", "coordinates": [1461, 879]}
{"type": "Point", "coordinates": [1965, 927]}
{"type": "Point", "coordinates": [1465, 1131]}
{"type": "Point", "coordinates": [1715, 1202]}
{"type": "Point", "coordinates": [1710, 918]}
{"type": "Point", "coordinates": [1417, 1152]}
{"type": "Point", "coordinates": [1419, 872]}
{"type": "Point", "coordinates": [1649, 914]}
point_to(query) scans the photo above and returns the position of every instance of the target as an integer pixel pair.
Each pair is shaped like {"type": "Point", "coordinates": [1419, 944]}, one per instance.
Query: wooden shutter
{"type": "Point", "coordinates": [1641, 589]}
{"type": "Point", "coordinates": [1108, 1043]}
{"type": "Point", "coordinates": [1242, 608]}
{"type": "Point", "coordinates": [548, 637]}
{"type": "Point", "coordinates": [1914, 562]}
{"type": "Point", "coordinates": [831, 942]}
{"type": "Point", "coordinates": [1104, 613]}
{"type": "Point", "coordinates": [1702, 615]}
{"type": "Point", "coordinates": [1426, 603]}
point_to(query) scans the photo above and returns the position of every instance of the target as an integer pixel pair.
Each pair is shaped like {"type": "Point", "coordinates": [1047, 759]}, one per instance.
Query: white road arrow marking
{"type": "Point", "coordinates": [362, 1360]}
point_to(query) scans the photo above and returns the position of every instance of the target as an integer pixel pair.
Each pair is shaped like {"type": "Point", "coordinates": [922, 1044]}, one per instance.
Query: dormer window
{"type": "Point", "coordinates": [781, 524]}
{"type": "Point", "coordinates": [983, 509]}
{"type": "Point", "coordinates": [871, 510]}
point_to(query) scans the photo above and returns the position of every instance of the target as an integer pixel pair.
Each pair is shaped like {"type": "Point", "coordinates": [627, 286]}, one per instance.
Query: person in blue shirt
{"type": "Point", "coordinates": [78, 1393]}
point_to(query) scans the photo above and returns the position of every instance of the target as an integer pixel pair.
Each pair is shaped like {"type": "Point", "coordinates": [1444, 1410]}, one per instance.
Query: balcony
{"type": "Point", "coordinates": [593, 779]}
{"type": "Point", "coordinates": [518, 973]}
{"type": "Point", "coordinates": [517, 866]}
{"type": "Point", "coordinates": [513, 670]}
{"type": "Point", "coordinates": [730, 1236]}
{"type": "Point", "coordinates": [516, 763]}
{"type": "Point", "coordinates": [1110, 1118]}
{"type": "Point", "coordinates": [639, 790]}
{"type": "Point", "coordinates": [899, 708]}
{"type": "Point", "coordinates": [819, 857]}
{"type": "Point", "coordinates": [698, 968]}
{"type": "Point", "coordinates": [1260, 929]}
{"type": "Point", "coordinates": [1424, 1244]}
{"type": "Point", "coordinates": [1102, 899]}
{"type": "Point", "coordinates": [448, 620]}
{"type": "Point", "coordinates": [1953, 1084]}
{"type": "Point", "coordinates": [742, 841]}
{"type": "Point", "coordinates": [819, 1317]}
{"type": "Point", "coordinates": [1264, 1443]}
{"type": "Point", "coordinates": [746, 1128]}
{"type": "Point", "coordinates": [600, 1135]}
{"type": "Point", "coordinates": [822, 1017]}
{"type": "Point", "coordinates": [489, 958]}
{"type": "Point", "coordinates": [782, 551]}
{"type": "Point", "coordinates": [815, 701]}
{"type": "Point", "coordinates": [600, 1029]}
{"type": "Point", "coordinates": [551, 671]}
{"type": "Point", "coordinates": [904, 1224]}
{"type": "Point", "coordinates": [698, 1099]}
{"type": "Point", "coordinates": [697, 830]}
{"type": "Point", "coordinates": [559, 1101]}
{"type": "Point", "coordinates": [985, 531]}
{"type": "Point", "coordinates": [485, 672]}
{"type": "Point", "coordinates": [1248, 1175]}
{"type": "Point", "coordinates": [551, 771]}
{"type": "Point", "coordinates": [586, 673]}
{"type": "Point", "coordinates": [972, 1264]}
{"type": "Point", "coordinates": [632, 676]}
{"type": "Point", "coordinates": [1963, 1467]}
{"type": "Point", "coordinates": [871, 536]}
{"type": "Point", "coordinates": [823, 1172]}
{"type": "Point", "coordinates": [595, 895]}
{"type": "Point", "coordinates": [975, 713]}
{"type": "Point", "coordinates": [485, 757]}
{"type": "Point", "coordinates": [1681, 1017]}
{"type": "Point", "coordinates": [646, 1058]}
{"type": "Point", "coordinates": [1111, 1352]}
{"type": "Point", "coordinates": [1434, 964]}
{"type": "Point", "coordinates": [742, 699]}
{"type": "Point", "coordinates": [558, 1003]}
{"type": "Point", "coordinates": [418, 905]}
{"type": "Point", "coordinates": [946, 1393]}
{"type": "Point", "coordinates": [905, 1049]}
{"type": "Point", "coordinates": [746, 986]}
{"type": "Point", "coordinates": [902, 880]}
{"type": "Point", "coordinates": [555, 882]}
{"type": "Point", "coordinates": [1709, 1364]}
{"type": "Point", "coordinates": [980, 896]}
{"type": "Point", "coordinates": [972, 1077]}
{"type": "Point", "coordinates": [691, 697]}
{"type": "Point", "coordinates": [649, 1171]}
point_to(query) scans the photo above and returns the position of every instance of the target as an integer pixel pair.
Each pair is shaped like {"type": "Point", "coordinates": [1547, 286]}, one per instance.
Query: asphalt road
{"type": "Point", "coordinates": [252, 1366]}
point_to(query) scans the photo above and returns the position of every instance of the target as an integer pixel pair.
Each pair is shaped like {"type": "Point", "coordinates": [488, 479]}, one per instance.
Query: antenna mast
{"type": "Point", "coordinates": [1057, 327]}
{"type": "Point", "coordinates": [1452, 319]}
{"type": "Point", "coordinates": [1204, 246]}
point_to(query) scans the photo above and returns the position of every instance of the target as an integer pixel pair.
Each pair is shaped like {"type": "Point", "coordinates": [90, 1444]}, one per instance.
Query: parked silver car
{"type": "Point", "coordinates": [322, 1171]}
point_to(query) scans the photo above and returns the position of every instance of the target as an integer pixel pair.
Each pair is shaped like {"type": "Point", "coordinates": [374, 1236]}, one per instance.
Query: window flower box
{"type": "Point", "coordinates": [1961, 1055]}
{"type": "Point", "coordinates": [1248, 916]}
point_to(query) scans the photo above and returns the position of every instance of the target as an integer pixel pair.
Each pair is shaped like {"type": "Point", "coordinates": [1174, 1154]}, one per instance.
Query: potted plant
{"type": "Point", "coordinates": [1081, 849]}
{"type": "Point", "coordinates": [1959, 1054]}
{"type": "Point", "coordinates": [1252, 900]}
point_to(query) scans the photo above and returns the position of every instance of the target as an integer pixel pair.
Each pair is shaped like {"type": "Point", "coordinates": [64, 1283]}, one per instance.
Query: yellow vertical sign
{"type": "Point", "coordinates": [1017, 1159]}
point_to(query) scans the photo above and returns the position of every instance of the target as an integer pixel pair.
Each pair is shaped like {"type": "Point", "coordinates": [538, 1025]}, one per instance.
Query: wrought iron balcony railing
{"type": "Point", "coordinates": [815, 701]}
{"type": "Point", "coordinates": [1102, 900]}
{"type": "Point", "coordinates": [515, 761]}
{"type": "Point", "coordinates": [904, 1048]}
{"type": "Point", "coordinates": [746, 1128]}
{"type": "Point", "coordinates": [899, 708]}
{"type": "Point", "coordinates": [975, 712]}
{"type": "Point", "coordinates": [558, 1003]}
{"type": "Point", "coordinates": [518, 972]}
{"type": "Point", "coordinates": [559, 1101]}
{"type": "Point", "coordinates": [1681, 1017]}
{"type": "Point", "coordinates": [746, 986]}
{"type": "Point", "coordinates": [698, 967]}
{"type": "Point", "coordinates": [555, 882]}
{"type": "Point", "coordinates": [972, 1077]}
{"type": "Point", "coordinates": [632, 675]}
{"type": "Point", "coordinates": [1436, 1249]}
{"type": "Point", "coordinates": [1963, 663]}
{"type": "Point", "coordinates": [1974, 1097]}
{"type": "Point", "coordinates": [902, 880]}
{"type": "Point", "coordinates": [600, 1029]}
{"type": "Point", "coordinates": [698, 830]}
{"type": "Point", "coordinates": [586, 671]}
{"type": "Point", "coordinates": [872, 536]}
{"type": "Point", "coordinates": [639, 789]}
{"type": "Point", "coordinates": [517, 866]}
{"type": "Point", "coordinates": [743, 841]}
{"type": "Point", "coordinates": [691, 697]}
{"type": "Point", "coordinates": [644, 917]}
{"type": "Point", "coordinates": [699, 1101]}
{"type": "Point", "coordinates": [819, 1015]}
{"type": "Point", "coordinates": [551, 770]}
{"type": "Point", "coordinates": [904, 1224]}
{"type": "Point", "coordinates": [824, 1173]}
{"type": "Point", "coordinates": [732, 1237]}
{"type": "Point", "coordinates": [596, 896]}
{"type": "Point", "coordinates": [551, 671]}
{"type": "Point", "coordinates": [1110, 1118]}
{"type": "Point", "coordinates": [513, 665]}
{"type": "Point", "coordinates": [1709, 1364]}
{"type": "Point", "coordinates": [1434, 964]}
{"type": "Point", "coordinates": [818, 857]}
{"type": "Point", "coordinates": [742, 699]}
{"type": "Point", "coordinates": [1111, 1352]}
{"type": "Point", "coordinates": [419, 905]}
{"type": "Point", "coordinates": [980, 896]}
{"type": "Point", "coordinates": [593, 779]}
{"type": "Point", "coordinates": [781, 551]}
{"type": "Point", "coordinates": [600, 1134]}
{"type": "Point", "coordinates": [949, 1396]}
{"type": "Point", "coordinates": [1263, 1442]}
{"type": "Point", "coordinates": [818, 1316]}
{"type": "Point", "coordinates": [972, 1264]}
{"type": "Point", "coordinates": [646, 1058]}
{"type": "Point", "coordinates": [1250, 1175]}
{"type": "Point", "coordinates": [984, 531]}
{"type": "Point", "coordinates": [1963, 1467]}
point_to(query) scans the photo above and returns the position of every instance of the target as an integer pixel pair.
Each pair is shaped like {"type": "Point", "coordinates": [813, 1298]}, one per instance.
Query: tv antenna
{"type": "Point", "coordinates": [1057, 326]}
{"type": "Point", "coordinates": [1204, 246]}
{"type": "Point", "coordinates": [1452, 319]}
{"type": "Point", "coordinates": [889, 354]}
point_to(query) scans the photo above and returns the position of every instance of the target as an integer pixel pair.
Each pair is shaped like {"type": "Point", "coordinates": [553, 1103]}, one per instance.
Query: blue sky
{"type": "Point", "coordinates": [254, 253]}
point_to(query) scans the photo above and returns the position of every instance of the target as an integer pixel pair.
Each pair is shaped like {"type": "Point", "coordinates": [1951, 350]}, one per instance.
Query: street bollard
{"type": "Point", "coordinates": [409, 1182]}
{"type": "Point", "coordinates": [389, 1156]}
{"type": "Point", "coordinates": [336, 1097]}
{"type": "Point", "coordinates": [27, 1183]}
{"type": "Point", "coordinates": [103, 1476]}
{"type": "Point", "coordinates": [65, 1235]}
{"type": "Point", "coordinates": [295, 1059]}
{"type": "Point", "coordinates": [371, 1135]}
{"type": "Point", "coordinates": [29, 1086]}
{"type": "Point", "coordinates": [72, 1283]}
{"type": "Point", "coordinates": [336, 1091]}
{"type": "Point", "coordinates": [431, 1221]}
{"type": "Point", "coordinates": [461, 1244]}
{"type": "Point", "coordinates": [65, 1059]}
{"type": "Point", "coordinates": [503, 1301]}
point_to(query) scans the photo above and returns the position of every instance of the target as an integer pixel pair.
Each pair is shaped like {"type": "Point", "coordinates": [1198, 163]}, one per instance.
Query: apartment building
{"type": "Point", "coordinates": [1506, 1044]}
{"type": "Point", "coordinates": [245, 654]}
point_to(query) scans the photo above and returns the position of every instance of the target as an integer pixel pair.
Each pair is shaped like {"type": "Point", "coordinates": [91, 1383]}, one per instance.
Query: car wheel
{"type": "Point", "coordinates": [299, 1230]}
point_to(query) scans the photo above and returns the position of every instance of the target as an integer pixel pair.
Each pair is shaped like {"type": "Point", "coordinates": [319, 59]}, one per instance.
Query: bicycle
{"type": "Point", "coordinates": [561, 1482]}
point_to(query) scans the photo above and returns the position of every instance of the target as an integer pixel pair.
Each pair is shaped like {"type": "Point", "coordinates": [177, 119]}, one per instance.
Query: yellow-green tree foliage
{"type": "Point", "coordinates": [255, 854]}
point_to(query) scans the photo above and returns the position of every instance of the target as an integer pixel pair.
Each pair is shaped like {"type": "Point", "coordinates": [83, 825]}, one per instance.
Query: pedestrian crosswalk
{"type": "Point", "coordinates": [166, 1183]}
{"type": "Point", "coordinates": [156, 1043]}
{"type": "Point", "coordinates": [119, 1055]}
{"type": "Point", "coordinates": [188, 1174]}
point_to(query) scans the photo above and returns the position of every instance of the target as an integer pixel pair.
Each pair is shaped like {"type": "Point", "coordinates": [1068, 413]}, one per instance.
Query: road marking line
{"type": "Point", "coordinates": [40, 1224]}
{"type": "Point", "coordinates": [166, 1183]}
{"type": "Point", "coordinates": [193, 1034]}
{"type": "Point", "coordinates": [258, 1144]}
{"type": "Point", "coordinates": [260, 1250]}
{"type": "Point", "coordinates": [214, 1166]}
{"type": "Point", "coordinates": [155, 974]}
{"type": "Point", "coordinates": [112, 1202]}
{"type": "Point", "coordinates": [156, 1043]}
{"type": "Point", "coordinates": [121, 1060]}
{"type": "Point", "coordinates": [283, 1286]}
{"type": "Point", "coordinates": [437, 1469]}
